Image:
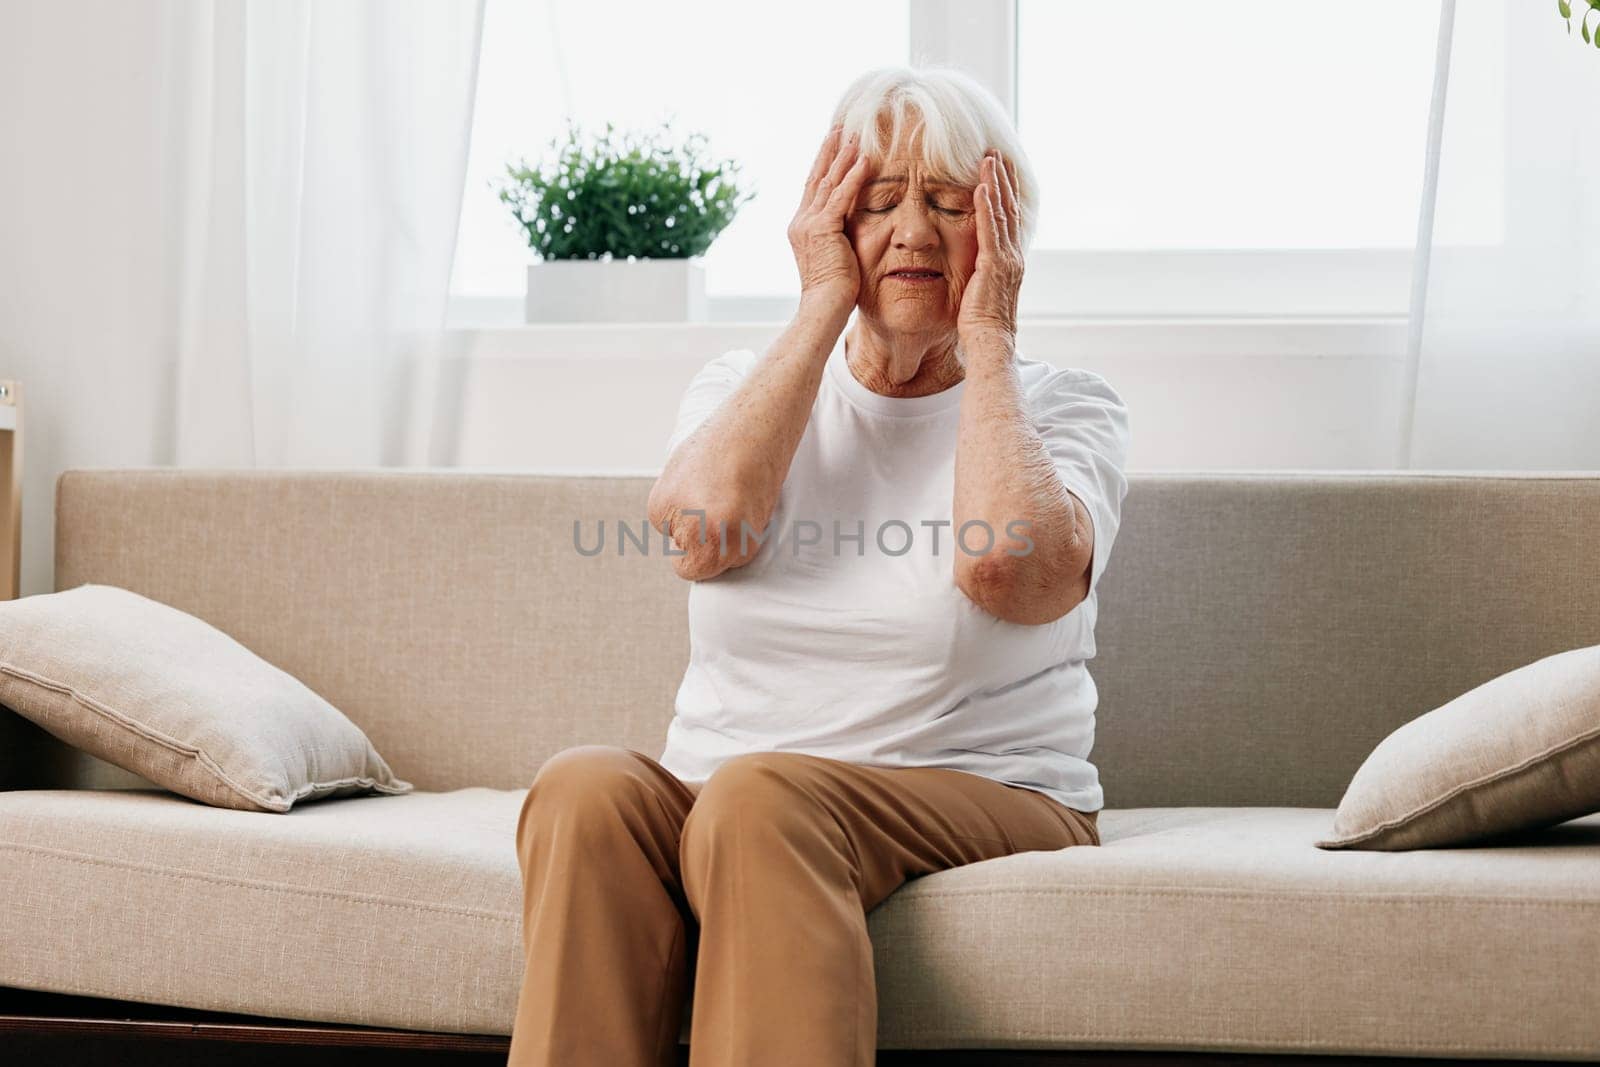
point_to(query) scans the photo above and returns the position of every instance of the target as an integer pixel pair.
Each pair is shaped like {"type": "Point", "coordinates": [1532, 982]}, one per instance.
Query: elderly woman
{"type": "Point", "coordinates": [894, 526]}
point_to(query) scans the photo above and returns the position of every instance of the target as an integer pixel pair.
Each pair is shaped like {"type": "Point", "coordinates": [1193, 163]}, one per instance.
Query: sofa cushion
{"type": "Point", "coordinates": [1226, 929]}
{"type": "Point", "coordinates": [1518, 752]}
{"type": "Point", "coordinates": [401, 911]}
{"type": "Point", "coordinates": [1220, 929]}
{"type": "Point", "coordinates": [168, 697]}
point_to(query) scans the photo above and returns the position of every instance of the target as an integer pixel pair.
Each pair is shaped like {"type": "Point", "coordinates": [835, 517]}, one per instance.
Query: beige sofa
{"type": "Point", "coordinates": [1259, 633]}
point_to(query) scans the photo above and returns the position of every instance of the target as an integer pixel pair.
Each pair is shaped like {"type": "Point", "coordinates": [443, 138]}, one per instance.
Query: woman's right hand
{"type": "Point", "coordinates": [827, 261]}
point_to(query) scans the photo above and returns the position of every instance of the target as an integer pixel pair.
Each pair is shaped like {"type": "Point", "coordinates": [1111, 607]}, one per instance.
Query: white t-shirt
{"type": "Point", "coordinates": [865, 649]}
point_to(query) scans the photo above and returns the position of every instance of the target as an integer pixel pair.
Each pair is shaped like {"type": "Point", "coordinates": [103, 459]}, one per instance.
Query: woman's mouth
{"type": "Point", "coordinates": [916, 275]}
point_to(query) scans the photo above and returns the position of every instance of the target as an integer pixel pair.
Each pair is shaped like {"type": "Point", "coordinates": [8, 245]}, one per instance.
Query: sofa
{"type": "Point", "coordinates": [1258, 634]}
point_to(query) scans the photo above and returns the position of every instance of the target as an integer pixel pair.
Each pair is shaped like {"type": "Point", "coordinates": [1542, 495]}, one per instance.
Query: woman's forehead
{"type": "Point", "coordinates": [900, 178]}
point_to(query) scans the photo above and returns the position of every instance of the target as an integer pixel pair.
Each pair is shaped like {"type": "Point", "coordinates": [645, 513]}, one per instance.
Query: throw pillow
{"type": "Point", "coordinates": [1519, 752]}
{"type": "Point", "coordinates": [168, 696]}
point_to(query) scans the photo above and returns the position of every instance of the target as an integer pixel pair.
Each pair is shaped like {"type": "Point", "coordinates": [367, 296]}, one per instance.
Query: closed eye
{"type": "Point", "coordinates": [941, 210]}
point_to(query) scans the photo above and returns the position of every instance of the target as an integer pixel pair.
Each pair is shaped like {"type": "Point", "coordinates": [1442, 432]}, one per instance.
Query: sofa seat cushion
{"type": "Point", "coordinates": [1227, 929]}
{"type": "Point", "coordinates": [396, 911]}
{"type": "Point", "coordinates": [1188, 928]}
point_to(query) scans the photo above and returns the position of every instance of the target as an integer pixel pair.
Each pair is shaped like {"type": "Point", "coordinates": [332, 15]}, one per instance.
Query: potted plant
{"type": "Point", "coordinates": [619, 227]}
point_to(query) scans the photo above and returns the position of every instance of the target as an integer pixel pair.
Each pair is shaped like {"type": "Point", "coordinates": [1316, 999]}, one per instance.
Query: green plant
{"type": "Point", "coordinates": [1565, 7]}
{"type": "Point", "coordinates": [624, 196]}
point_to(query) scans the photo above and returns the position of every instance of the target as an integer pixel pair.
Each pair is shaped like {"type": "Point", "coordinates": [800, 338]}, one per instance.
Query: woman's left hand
{"type": "Point", "coordinates": [989, 304]}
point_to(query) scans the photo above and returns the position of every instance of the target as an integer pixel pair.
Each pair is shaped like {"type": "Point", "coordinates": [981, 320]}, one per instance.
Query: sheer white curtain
{"type": "Point", "coordinates": [226, 231]}
{"type": "Point", "coordinates": [1504, 360]}
{"type": "Point", "coordinates": [324, 152]}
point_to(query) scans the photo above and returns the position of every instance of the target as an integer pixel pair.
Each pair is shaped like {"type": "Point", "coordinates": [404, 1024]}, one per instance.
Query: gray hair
{"type": "Point", "coordinates": [959, 121]}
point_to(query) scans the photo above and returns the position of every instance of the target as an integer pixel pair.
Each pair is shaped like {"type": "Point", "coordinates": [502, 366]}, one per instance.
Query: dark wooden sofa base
{"type": "Point", "coordinates": [56, 1030]}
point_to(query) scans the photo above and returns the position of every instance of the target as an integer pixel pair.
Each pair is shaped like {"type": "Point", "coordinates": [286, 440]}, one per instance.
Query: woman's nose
{"type": "Point", "coordinates": [913, 228]}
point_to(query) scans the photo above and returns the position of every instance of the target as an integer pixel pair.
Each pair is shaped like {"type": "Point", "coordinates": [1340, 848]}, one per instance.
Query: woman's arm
{"type": "Point", "coordinates": [1004, 474]}
{"type": "Point", "coordinates": [733, 466]}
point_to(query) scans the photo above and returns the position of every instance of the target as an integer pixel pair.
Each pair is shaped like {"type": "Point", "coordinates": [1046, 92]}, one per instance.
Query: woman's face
{"type": "Point", "coordinates": [905, 218]}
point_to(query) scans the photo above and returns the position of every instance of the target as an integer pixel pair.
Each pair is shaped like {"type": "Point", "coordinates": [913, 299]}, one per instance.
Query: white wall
{"type": "Point", "coordinates": [87, 193]}
{"type": "Point", "coordinates": [1203, 395]}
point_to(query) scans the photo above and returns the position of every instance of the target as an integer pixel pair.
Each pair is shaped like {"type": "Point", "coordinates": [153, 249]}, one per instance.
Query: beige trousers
{"type": "Point", "coordinates": [753, 886]}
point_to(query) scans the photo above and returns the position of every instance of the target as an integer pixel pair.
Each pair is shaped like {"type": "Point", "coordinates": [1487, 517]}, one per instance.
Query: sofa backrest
{"type": "Point", "coordinates": [1258, 632]}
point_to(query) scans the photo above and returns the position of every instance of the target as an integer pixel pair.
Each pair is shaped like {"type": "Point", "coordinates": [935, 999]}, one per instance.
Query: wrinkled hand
{"type": "Point", "coordinates": [989, 304]}
{"type": "Point", "coordinates": [822, 251]}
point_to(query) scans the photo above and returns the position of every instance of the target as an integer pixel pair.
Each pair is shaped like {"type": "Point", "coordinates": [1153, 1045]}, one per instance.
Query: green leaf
{"type": "Point", "coordinates": [1584, 29]}
{"type": "Point", "coordinates": [576, 205]}
{"type": "Point", "coordinates": [1565, 8]}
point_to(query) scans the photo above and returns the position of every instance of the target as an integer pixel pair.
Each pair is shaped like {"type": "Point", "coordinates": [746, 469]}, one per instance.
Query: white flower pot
{"type": "Point", "coordinates": [617, 290]}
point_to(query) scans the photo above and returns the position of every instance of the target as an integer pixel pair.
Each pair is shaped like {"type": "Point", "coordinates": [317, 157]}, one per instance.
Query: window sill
{"type": "Point", "coordinates": [1117, 286]}
{"type": "Point", "coordinates": [1048, 338]}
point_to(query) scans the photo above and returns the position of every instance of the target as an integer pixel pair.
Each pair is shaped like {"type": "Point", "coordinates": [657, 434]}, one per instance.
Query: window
{"type": "Point", "coordinates": [1231, 158]}
{"type": "Point", "coordinates": [1236, 157]}
{"type": "Point", "coordinates": [1227, 124]}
